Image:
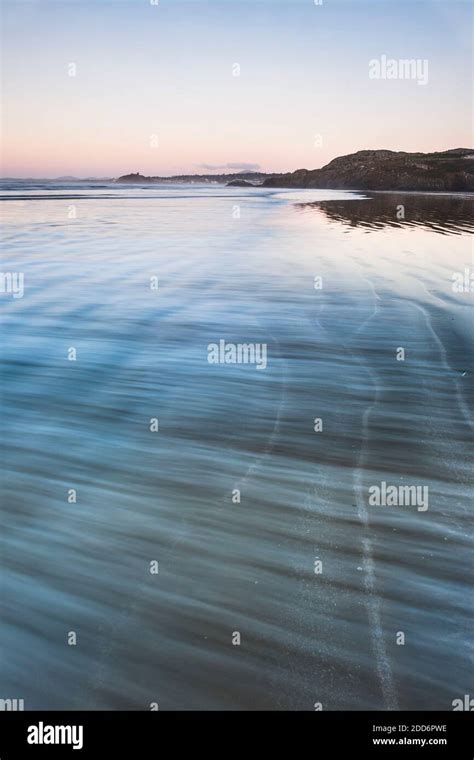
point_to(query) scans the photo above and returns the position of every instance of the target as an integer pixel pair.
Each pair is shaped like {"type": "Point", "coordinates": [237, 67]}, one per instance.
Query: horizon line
{"type": "Point", "coordinates": [224, 173]}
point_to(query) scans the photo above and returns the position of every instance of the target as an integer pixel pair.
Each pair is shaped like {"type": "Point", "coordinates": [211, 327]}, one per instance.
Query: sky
{"type": "Point", "coordinates": [108, 87]}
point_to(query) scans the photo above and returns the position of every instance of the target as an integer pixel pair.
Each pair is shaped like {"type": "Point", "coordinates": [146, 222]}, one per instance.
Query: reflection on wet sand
{"type": "Point", "coordinates": [445, 214]}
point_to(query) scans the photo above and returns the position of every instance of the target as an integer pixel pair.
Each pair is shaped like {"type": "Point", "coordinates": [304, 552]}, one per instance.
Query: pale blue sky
{"type": "Point", "coordinates": [167, 70]}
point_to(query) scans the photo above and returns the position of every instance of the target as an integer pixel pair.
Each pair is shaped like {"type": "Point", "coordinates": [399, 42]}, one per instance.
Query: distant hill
{"type": "Point", "coordinates": [240, 183]}
{"type": "Point", "coordinates": [449, 170]}
{"type": "Point", "coordinates": [255, 177]}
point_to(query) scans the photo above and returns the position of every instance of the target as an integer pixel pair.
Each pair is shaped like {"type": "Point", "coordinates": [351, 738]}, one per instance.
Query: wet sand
{"type": "Point", "coordinates": [307, 637]}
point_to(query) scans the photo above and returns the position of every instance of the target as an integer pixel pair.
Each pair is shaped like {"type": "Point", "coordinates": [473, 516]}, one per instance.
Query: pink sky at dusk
{"type": "Point", "coordinates": [165, 74]}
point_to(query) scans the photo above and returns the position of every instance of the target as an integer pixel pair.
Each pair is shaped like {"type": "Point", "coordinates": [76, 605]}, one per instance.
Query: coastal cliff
{"type": "Point", "coordinates": [445, 171]}
{"type": "Point", "coordinates": [449, 171]}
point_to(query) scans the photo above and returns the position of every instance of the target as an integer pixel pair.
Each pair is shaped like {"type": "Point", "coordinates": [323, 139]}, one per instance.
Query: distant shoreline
{"type": "Point", "coordinates": [376, 170]}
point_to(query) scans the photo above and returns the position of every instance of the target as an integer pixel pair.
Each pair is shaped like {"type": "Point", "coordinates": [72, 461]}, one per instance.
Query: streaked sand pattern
{"type": "Point", "coordinates": [166, 496]}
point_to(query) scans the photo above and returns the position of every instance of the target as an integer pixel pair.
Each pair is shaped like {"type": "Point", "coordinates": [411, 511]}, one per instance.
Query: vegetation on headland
{"type": "Point", "coordinates": [448, 171]}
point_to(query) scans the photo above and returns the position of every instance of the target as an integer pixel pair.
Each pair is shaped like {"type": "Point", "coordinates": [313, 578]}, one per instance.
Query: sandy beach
{"type": "Point", "coordinates": [252, 490]}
